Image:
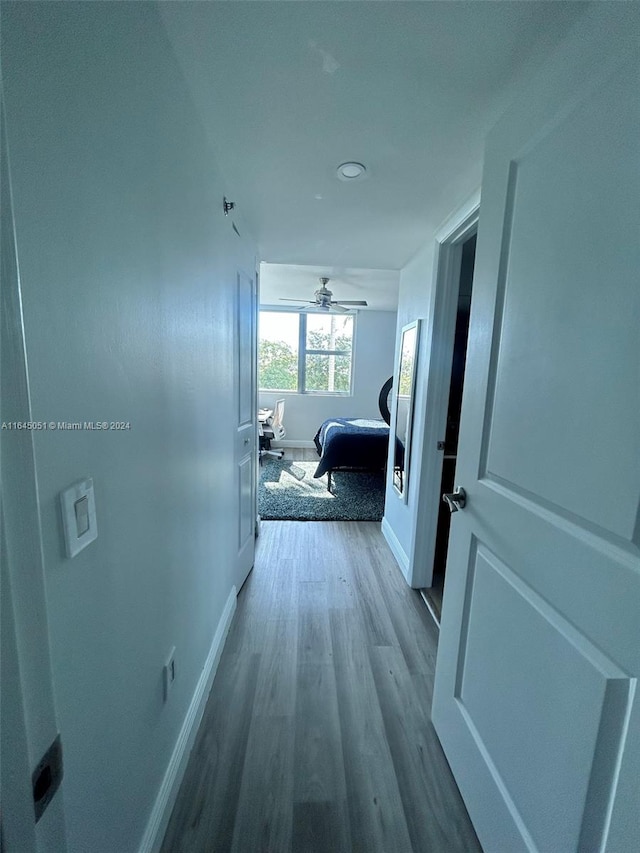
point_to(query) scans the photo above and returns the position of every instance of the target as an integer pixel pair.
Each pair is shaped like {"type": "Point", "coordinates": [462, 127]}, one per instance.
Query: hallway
{"type": "Point", "coordinates": [317, 736]}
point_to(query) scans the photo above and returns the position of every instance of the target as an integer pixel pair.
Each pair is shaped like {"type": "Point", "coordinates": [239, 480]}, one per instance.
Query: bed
{"type": "Point", "coordinates": [351, 444]}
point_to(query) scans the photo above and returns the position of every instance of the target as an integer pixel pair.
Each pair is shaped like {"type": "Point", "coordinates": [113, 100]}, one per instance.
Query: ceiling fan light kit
{"type": "Point", "coordinates": [323, 300]}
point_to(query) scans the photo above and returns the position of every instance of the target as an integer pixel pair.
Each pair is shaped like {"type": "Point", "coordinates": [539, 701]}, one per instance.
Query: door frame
{"type": "Point", "coordinates": [457, 229]}
{"type": "Point", "coordinates": [28, 702]}
{"type": "Point", "coordinates": [17, 826]}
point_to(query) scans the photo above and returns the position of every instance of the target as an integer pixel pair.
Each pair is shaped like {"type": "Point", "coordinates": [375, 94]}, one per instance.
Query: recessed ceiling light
{"type": "Point", "coordinates": [351, 172]}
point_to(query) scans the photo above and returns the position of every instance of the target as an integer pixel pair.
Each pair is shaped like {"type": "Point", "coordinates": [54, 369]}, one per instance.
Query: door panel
{"type": "Point", "coordinates": [246, 526]}
{"type": "Point", "coordinates": [551, 244]}
{"type": "Point", "coordinates": [535, 691]}
{"type": "Point", "coordinates": [583, 716]}
{"type": "Point", "coordinates": [246, 413]}
{"type": "Point", "coordinates": [246, 330]}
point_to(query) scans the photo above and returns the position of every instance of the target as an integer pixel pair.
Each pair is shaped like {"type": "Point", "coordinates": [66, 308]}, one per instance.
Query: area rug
{"type": "Point", "coordinates": [288, 491]}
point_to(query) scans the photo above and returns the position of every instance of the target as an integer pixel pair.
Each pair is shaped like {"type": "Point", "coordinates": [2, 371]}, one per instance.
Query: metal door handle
{"type": "Point", "coordinates": [455, 500]}
{"type": "Point", "coordinates": [247, 440]}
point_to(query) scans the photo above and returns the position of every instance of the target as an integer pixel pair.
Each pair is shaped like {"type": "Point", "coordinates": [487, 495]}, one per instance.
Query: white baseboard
{"type": "Point", "coordinates": [396, 549]}
{"type": "Point", "coordinates": [161, 812]}
{"type": "Point", "coordinates": [287, 443]}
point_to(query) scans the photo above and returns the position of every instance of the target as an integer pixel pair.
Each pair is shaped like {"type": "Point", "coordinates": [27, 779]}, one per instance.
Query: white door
{"type": "Point", "coordinates": [246, 430]}
{"type": "Point", "coordinates": [535, 698]}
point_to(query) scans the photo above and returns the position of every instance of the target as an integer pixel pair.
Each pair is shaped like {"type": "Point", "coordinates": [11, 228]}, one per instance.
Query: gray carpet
{"type": "Point", "coordinates": [287, 490]}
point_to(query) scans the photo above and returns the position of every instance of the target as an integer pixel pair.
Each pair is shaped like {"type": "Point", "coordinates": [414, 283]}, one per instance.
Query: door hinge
{"type": "Point", "coordinates": [441, 445]}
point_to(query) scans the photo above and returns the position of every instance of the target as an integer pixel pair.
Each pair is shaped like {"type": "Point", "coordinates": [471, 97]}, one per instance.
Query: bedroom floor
{"type": "Point", "coordinates": [317, 735]}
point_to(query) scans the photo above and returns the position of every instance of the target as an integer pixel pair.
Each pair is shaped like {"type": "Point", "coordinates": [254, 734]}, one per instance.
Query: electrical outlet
{"type": "Point", "coordinates": [169, 673]}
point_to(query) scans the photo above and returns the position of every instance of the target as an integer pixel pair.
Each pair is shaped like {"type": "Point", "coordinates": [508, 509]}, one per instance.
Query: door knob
{"type": "Point", "coordinates": [456, 500]}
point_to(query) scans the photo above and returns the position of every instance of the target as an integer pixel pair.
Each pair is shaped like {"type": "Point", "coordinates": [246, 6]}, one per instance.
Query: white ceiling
{"type": "Point", "coordinates": [289, 90]}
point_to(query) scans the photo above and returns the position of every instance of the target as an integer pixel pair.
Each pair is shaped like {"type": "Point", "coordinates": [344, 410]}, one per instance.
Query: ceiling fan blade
{"type": "Point", "coordinates": [285, 299]}
{"type": "Point", "coordinates": [350, 302]}
{"type": "Point", "coordinates": [337, 307]}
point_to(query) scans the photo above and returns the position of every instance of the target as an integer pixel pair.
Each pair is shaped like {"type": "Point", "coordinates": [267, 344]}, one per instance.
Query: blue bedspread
{"type": "Point", "coordinates": [352, 443]}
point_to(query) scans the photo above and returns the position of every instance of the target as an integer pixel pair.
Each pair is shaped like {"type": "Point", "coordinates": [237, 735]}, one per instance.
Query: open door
{"type": "Point", "coordinates": [535, 698]}
{"type": "Point", "coordinates": [246, 442]}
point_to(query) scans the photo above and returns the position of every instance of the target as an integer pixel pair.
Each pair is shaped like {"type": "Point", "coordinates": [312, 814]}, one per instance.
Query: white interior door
{"type": "Point", "coordinates": [535, 696]}
{"type": "Point", "coordinates": [246, 414]}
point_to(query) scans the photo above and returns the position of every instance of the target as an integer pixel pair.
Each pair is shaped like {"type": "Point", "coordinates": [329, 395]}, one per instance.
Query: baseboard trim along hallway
{"type": "Point", "coordinates": [161, 812]}
{"type": "Point", "coordinates": [396, 548]}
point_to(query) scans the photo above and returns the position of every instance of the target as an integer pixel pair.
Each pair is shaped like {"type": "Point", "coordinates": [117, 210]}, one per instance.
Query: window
{"type": "Point", "coordinates": [278, 351]}
{"type": "Point", "coordinates": [305, 352]}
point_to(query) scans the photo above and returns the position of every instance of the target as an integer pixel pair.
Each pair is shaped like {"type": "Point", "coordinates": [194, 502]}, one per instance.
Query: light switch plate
{"type": "Point", "coordinates": [78, 516]}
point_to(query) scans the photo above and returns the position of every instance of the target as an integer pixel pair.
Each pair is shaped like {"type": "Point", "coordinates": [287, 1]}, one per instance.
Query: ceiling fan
{"type": "Point", "coordinates": [323, 300]}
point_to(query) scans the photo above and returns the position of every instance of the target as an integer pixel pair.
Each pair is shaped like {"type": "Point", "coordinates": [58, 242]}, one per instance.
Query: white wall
{"type": "Point", "coordinates": [373, 365]}
{"type": "Point", "coordinates": [127, 268]}
{"type": "Point", "coordinates": [416, 300]}
{"type": "Point", "coordinates": [406, 525]}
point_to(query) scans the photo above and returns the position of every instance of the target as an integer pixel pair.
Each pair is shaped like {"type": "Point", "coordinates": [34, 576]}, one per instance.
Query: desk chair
{"type": "Point", "coordinates": [272, 430]}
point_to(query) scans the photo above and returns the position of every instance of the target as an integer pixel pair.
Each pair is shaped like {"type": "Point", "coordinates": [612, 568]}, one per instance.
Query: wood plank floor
{"type": "Point", "coordinates": [301, 454]}
{"type": "Point", "coordinates": [317, 735]}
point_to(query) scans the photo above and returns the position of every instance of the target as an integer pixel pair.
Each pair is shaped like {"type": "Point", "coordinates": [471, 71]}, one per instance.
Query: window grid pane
{"type": "Point", "coordinates": [328, 353]}
{"type": "Point", "coordinates": [328, 373]}
{"type": "Point", "coordinates": [278, 351]}
{"type": "Point", "coordinates": [329, 332]}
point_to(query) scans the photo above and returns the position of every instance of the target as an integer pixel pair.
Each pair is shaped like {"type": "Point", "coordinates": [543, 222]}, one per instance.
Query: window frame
{"type": "Point", "coordinates": [303, 352]}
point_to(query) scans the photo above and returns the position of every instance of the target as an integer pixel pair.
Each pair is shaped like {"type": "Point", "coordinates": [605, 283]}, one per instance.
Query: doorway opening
{"type": "Point", "coordinates": [434, 593]}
